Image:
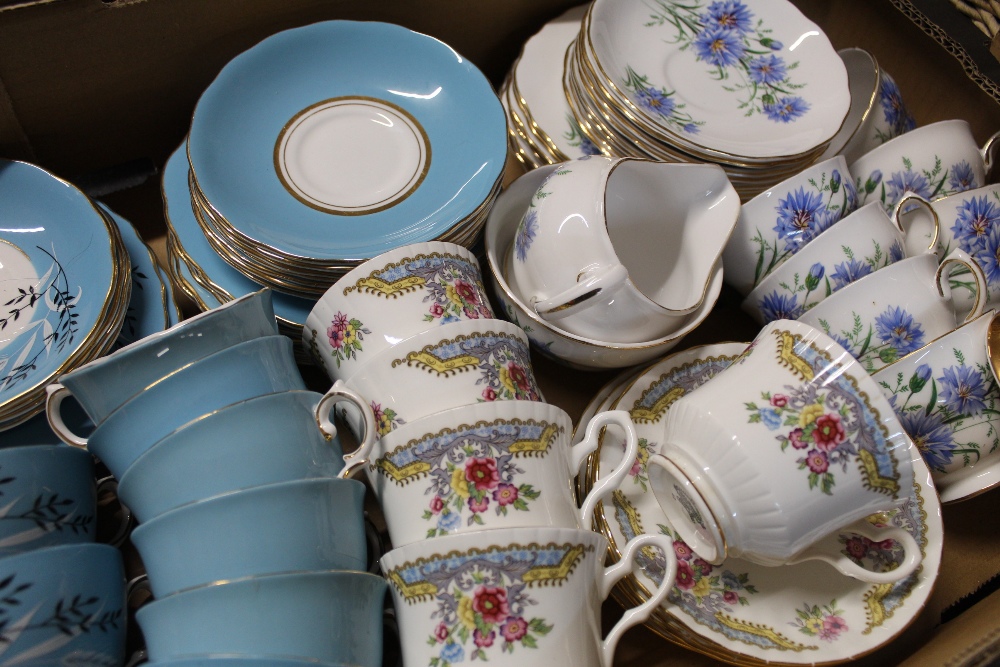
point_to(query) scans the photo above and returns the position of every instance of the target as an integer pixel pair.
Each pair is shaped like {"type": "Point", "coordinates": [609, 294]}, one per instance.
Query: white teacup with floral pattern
{"type": "Point", "coordinates": [490, 465]}
{"type": "Point", "coordinates": [968, 220]}
{"type": "Point", "coordinates": [456, 364]}
{"type": "Point", "coordinates": [932, 161]}
{"type": "Point", "coordinates": [947, 398]}
{"type": "Point", "coordinates": [778, 223]}
{"type": "Point", "coordinates": [894, 311]}
{"type": "Point", "coordinates": [769, 459]}
{"type": "Point", "coordinates": [515, 597]}
{"type": "Point", "coordinates": [400, 293]}
{"type": "Point", "coordinates": [863, 242]}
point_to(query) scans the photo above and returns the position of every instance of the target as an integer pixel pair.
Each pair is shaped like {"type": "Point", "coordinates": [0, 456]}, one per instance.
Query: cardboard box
{"type": "Point", "coordinates": [102, 92]}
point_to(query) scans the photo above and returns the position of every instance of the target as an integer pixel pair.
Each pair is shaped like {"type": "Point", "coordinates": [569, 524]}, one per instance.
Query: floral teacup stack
{"type": "Point", "coordinates": [473, 471]}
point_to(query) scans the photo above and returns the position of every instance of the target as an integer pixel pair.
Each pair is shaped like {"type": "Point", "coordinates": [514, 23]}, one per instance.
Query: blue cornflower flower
{"type": "Point", "coordinates": [924, 372]}
{"type": "Point", "coordinates": [847, 272]}
{"type": "Point", "coordinates": [896, 252]}
{"type": "Point", "coordinates": [797, 217]}
{"type": "Point", "coordinates": [873, 180]}
{"type": "Point", "coordinates": [816, 273]}
{"type": "Point", "coordinates": [691, 128]}
{"type": "Point", "coordinates": [767, 69]}
{"type": "Point", "coordinates": [719, 46]}
{"type": "Point", "coordinates": [908, 181]}
{"type": "Point", "coordinates": [976, 217]}
{"type": "Point", "coordinates": [786, 109]}
{"type": "Point", "coordinates": [655, 101]}
{"type": "Point", "coordinates": [729, 15]}
{"type": "Point", "coordinates": [452, 653]}
{"type": "Point", "coordinates": [835, 180]}
{"type": "Point", "coordinates": [896, 115]}
{"type": "Point", "coordinates": [896, 328]}
{"type": "Point", "coordinates": [989, 258]}
{"type": "Point", "coordinates": [962, 178]}
{"type": "Point", "coordinates": [775, 306]}
{"type": "Point", "coordinates": [526, 232]}
{"type": "Point", "coordinates": [587, 147]}
{"type": "Point", "coordinates": [932, 438]}
{"type": "Point", "coordinates": [963, 390]}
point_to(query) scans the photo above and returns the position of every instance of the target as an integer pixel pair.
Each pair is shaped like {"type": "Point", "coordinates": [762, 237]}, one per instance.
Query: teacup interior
{"type": "Point", "coordinates": [664, 230]}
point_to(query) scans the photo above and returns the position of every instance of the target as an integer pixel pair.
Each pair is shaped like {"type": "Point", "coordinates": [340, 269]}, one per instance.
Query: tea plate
{"type": "Point", "coordinates": [797, 615]}
{"type": "Point", "coordinates": [148, 307]}
{"type": "Point", "coordinates": [343, 139]}
{"type": "Point", "coordinates": [751, 78]}
{"type": "Point", "coordinates": [57, 277]}
{"type": "Point", "coordinates": [177, 210]}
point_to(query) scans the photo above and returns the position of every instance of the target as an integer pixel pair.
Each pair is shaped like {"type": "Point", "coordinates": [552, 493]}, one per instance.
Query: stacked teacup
{"type": "Point", "coordinates": [493, 558]}
{"type": "Point", "coordinates": [215, 442]}
{"type": "Point", "coordinates": [62, 594]}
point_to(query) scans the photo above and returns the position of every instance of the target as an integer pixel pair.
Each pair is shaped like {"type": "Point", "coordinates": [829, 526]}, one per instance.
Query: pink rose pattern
{"type": "Point", "coordinates": [825, 622]}
{"type": "Point", "coordinates": [345, 335]}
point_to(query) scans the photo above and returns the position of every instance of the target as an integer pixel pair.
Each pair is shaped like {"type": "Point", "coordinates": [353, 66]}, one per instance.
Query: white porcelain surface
{"type": "Point", "coordinates": [623, 241]}
{"type": "Point", "coordinates": [800, 614]}
{"type": "Point", "coordinates": [406, 291]}
{"type": "Point", "coordinates": [779, 222]}
{"type": "Point", "coordinates": [752, 78]}
{"type": "Point", "coordinates": [547, 339]}
{"type": "Point", "coordinates": [777, 453]}
{"type": "Point", "coordinates": [896, 310]}
{"type": "Point", "coordinates": [860, 244]}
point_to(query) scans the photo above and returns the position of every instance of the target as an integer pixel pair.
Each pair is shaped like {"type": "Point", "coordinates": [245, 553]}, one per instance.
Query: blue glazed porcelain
{"type": "Point", "coordinates": [421, 136]}
{"type": "Point", "coordinates": [240, 661]}
{"type": "Point", "coordinates": [48, 497]}
{"type": "Point", "coordinates": [61, 604]}
{"type": "Point", "coordinates": [254, 368]}
{"type": "Point", "coordinates": [148, 308]}
{"type": "Point", "coordinates": [106, 383]}
{"type": "Point", "coordinates": [326, 616]}
{"type": "Point", "coordinates": [263, 440]}
{"type": "Point", "coordinates": [296, 526]}
{"type": "Point", "coordinates": [59, 277]}
{"type": "Point", "coordinates": [177, 209]}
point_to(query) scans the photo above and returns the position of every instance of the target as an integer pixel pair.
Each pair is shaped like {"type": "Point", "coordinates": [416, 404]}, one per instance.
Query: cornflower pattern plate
{"type": "Point", "coordinates": [794, 615]}
{"type": "Point", "coordinates": [749, 78]}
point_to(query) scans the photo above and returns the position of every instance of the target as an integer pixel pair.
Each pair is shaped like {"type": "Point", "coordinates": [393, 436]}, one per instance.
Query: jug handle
{"type": "Point", "coordinates": [582, 293]}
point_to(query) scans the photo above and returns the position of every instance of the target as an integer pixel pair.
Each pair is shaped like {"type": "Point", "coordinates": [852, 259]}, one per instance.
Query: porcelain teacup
{"type": "Point", "coordinates": [391, 297]}
{"type": "Point", "coordinates": [782, 220]}
{"type": "Point", "coordinates": [451, 365]}
{"type": "Point", "coordinates": [491, 465]}
{"type": "Point", "coordinates": [64, 603]}
{"type": "Point", "coordinates": [896, 310]}
{"type": "Point", "coordinates": [299, 525]}
{"type": "Point", "coordinates": [877, 112]}
{"type": "Point", "coordinates": [932, 161]}
{"type": "Point", "coordinates": [514, 596]}
{"type": "Point", "coordinates": [48, 495]}
{"type": "Point", "coordinates": [773, 456]}
{"type": "Point", "coordinates": [621, 249]}
{"type": "Point", "coordinates": [861, 243]}
{"type": "Point", "coordinates": [947, 398]}
{"type": "Point", "coordinates": [332, 616]}
{"type": "Point", "coordinates": [968, 220]}
{"type": "Point", "coordinates": [104, 384]}
{"type": "Point", "coordinates": [262, 440]}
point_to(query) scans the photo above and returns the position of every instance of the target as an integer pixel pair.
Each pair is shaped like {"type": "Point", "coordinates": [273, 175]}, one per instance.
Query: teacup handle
{"type": "Point", "coordinates": [607, 279]}
{"type": "Point", "coordinates": [638, 614]}
{"type": "Point", "coordinates": [591, 440]}
{"type": "Point", "coordinates": [830, 551]}
{"type": "Point", "coordinates": [125, 523]}
{"type": "Point", "coordinates": [913, 198]}
{"type": "Point", "coordinates": [324, 410]}
{"type": "Point", "coordinates": [55, 395]}
{"type": "Point", "coordinates": [960, 257]}
{"type": "Point", "coordinates": [987, 153]}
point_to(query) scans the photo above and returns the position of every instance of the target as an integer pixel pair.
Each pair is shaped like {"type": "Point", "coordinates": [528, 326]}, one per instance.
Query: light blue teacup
{"type": "Point", "coordinates": [301, 525]}
{"type": "Point", "coordinates": [254, 368]}
{"type": "Point", "coordinates": [104, 384]}
{"type": "Point", "coordinates": [48, 496]}
{"type": "Point", "coordinates": [61, 603]}
{"type": "Point", "coordinates": [263, 440]}
{"type": "Point", "coordinates": [240, 661]}
{"type": "Point", "coordinates": [332, 616]}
